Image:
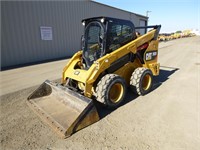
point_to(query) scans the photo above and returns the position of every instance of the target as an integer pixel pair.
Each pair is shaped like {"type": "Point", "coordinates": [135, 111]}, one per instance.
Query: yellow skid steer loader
{"type": "Point", "coordinates": [112, 58]}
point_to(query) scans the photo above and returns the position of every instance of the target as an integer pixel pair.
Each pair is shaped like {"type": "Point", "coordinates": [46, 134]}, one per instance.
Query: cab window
{"type": "Point", "coordinates": [118, 35]}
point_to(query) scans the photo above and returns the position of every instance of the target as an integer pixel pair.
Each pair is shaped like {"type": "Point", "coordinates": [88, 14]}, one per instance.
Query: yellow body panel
{"type": "Point", "coordinates": [152, 64]}
{"type": "Point", "coordinates": [127, 70]}
{"type": "Point", "coordinates": [88, 77]}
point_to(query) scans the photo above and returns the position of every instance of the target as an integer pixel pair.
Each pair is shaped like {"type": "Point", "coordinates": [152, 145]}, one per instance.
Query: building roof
{"type": "Point", "coordinates": [120, 9]}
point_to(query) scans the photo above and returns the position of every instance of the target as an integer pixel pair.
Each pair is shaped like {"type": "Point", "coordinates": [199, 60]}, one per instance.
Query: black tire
{"type": "Point", "coordinates": [111, 90]}
{"type": "Point", "coordinates": [141, 81]}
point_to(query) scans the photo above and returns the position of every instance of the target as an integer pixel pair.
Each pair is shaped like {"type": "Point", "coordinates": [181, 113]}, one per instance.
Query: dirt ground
{"type": "Point", "coordinates": [168, 118]}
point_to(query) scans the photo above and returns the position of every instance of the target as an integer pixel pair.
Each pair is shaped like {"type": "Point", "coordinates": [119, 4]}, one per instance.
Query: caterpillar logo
{"type": "Point", "coordinates": [150, 55]}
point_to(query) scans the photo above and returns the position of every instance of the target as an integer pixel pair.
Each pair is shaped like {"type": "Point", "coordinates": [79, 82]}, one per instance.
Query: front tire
{"type": "Point", "coordinates": [141, 81]}
{"type": "Point", "coordinates": [111, 90]}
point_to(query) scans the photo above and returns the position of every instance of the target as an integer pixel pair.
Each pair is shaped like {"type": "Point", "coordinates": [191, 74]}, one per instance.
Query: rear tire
{"type": "Point", "coordinates": [111, 90]}
{"type": "Point", "coordinates": [141, 81]}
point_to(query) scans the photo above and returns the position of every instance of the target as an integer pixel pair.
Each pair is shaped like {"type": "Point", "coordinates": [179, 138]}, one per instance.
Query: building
{"type": "Point", "coordinates": [37, 31]}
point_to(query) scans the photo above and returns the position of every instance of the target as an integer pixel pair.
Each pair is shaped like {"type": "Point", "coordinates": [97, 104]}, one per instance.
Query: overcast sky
{"type": "Point", "coordinates": [173, 15]}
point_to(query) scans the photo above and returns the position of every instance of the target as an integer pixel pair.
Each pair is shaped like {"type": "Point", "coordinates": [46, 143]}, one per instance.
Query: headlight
{"type": "Point", "coordinates": [102, 20]}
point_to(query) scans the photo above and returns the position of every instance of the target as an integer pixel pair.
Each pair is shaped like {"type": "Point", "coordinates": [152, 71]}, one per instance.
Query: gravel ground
{"type": "Point", "coordinates": [167, 118]}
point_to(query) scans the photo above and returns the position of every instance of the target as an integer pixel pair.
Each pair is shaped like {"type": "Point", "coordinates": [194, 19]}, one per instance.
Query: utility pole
{"type": "Point", "coordinates": [147, 13]}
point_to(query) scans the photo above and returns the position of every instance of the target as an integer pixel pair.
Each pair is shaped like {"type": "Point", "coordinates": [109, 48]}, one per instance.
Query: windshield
{"type": "Point", "coordinates": [93, 44]}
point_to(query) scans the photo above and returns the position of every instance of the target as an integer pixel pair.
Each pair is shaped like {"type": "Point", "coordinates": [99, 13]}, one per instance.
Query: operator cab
{"type": "Point", "coordinates": [103, 35]}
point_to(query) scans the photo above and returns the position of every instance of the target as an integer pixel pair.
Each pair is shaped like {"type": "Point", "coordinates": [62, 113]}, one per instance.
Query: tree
{"type": "Point", "coordinates": [178, 31]}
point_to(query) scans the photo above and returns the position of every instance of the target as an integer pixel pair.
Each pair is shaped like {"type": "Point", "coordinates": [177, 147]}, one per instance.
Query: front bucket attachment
{"type": "Point", "coordinates": [64, 110]}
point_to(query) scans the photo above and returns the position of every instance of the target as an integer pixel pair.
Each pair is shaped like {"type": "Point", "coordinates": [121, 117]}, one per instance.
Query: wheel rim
{"type": "Point", "coordinates": [146, 83]}
{"type": "Point", "coordinates": [116, 92]}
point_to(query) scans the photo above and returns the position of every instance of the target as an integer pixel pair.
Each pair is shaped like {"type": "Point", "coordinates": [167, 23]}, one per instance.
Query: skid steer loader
{"type": "Point", "coordinates": [112, 58]}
